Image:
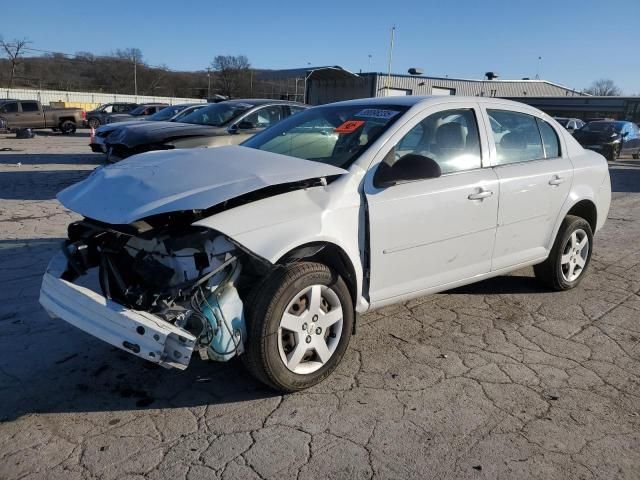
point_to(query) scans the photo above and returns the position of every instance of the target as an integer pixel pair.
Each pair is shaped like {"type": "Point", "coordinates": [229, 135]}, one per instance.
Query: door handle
{"type": "Point", "coordinates": [556, 180]}
{"type": "Point", "coordinates": [480, 195]}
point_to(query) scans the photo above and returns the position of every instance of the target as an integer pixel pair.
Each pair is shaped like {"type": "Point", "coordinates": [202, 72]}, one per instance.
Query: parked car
{"type": "Point", "coordinates": [611, 138]}
{"type": "Point", "coordinates": [225, 123]}
{"type": "Point", "coordinates": [97, 117]}
{"type": "Point", "coordinates": [138, 113]}
{"type": "Point", "coordinates": [18, 114]}
{"type": "Point", "coordinates": [571, 124]}
{"type": "Point", "coordinates": [172, 113]}
{"type": "Point", "coordinates": [268, 249]}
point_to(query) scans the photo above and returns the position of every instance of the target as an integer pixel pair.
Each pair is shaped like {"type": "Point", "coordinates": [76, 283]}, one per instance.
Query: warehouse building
{"type": "Point", "coordinates": [331, 84]}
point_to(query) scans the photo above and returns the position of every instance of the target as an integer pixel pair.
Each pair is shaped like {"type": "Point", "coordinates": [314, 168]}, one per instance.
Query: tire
{"type": "Point", "coordinates": [67, 127]}
{"type": "Point", "coordinates": [93, 122]}
{"type": "Point", "coordinates": [285, 297]}
{"type": "Point", "coordinates": [558, 271]}
{"type": "Point", "coordinates": [3, 125]}
{"type": "Point", "coordinates": [636, 156]}
{"type": "Point", "coordinates": [614, 153]}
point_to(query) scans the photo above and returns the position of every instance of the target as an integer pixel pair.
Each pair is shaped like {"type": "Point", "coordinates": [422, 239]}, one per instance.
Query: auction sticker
{"type": "Point", "coordinates": [349, 126]}
{"type": "Point", "coordinates": [377, 113]}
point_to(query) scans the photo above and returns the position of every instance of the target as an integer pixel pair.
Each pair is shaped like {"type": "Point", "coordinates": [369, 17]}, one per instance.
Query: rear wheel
{"type": "Point", "coordinates": [300, 321]}
{"type": "Point", "coordinates": [67, 127]}
{"type": "Point", "coordinates": [570, 256]}
{"type": "Point", "coordinates": [636, 155]}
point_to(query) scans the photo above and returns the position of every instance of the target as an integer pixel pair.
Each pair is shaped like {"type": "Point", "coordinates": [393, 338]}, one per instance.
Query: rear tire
{"type": "Point", "coordinates": [614, 153]}
{"type": "Point", "coordinates": [636, 156]}
{"type": "Point", "coordinates": [67, 127]}
{"type": "Point", "coordinates": [290, 357]}
{"type": "Point", "coordinates": [570, 255]}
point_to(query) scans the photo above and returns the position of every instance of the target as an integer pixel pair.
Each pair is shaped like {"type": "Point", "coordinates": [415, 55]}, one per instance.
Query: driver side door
{"type": "Point", "coordinates": [428, 234]}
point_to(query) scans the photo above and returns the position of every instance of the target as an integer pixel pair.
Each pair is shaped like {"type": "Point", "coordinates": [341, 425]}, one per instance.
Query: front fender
{"type": "Point", "coordinates": [274, 226]}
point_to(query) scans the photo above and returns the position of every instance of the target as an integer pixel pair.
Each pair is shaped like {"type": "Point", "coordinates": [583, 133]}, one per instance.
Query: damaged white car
{"type": "Point", "coordinates": [267, 250]}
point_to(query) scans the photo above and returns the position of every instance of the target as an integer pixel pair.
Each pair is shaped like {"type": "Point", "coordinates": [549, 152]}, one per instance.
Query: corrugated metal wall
{"type": "Point", "coordinates": [48, 96]}
{"type": "Point", "coordinates": [374, 85]}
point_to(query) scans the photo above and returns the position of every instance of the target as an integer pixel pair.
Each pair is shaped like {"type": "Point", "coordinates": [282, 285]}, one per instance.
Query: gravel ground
{"type": "Point", "coordinates": [501, 379]}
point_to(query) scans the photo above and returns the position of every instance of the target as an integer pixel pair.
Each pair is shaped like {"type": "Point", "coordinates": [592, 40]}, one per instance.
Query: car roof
{"type": "Point", "coordinates": [263, 101]}
{"type": "Point", "coordinates": [411, 100]}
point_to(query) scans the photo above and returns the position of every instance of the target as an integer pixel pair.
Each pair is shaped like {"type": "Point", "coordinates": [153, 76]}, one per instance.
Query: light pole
{"type": "Point", "coordinates": [208, 83]}
{"type": "Point", "coordinates": [369, 69]}
{"type": "Point", "coordinates": [393, 32]}
{"type": "Point", "coordinates": [135, 75]}
{"type": "Point", "coordinates": [538, 70]}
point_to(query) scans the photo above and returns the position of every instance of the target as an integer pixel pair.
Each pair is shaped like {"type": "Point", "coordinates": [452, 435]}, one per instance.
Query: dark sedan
{"type": "Point", "coordinates": [611, 138]}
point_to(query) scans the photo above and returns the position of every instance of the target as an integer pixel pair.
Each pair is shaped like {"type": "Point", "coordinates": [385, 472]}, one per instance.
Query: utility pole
{"type": "Point", "coordinates": [369, 69]}
{"type": "Point", "coordinates": [393, 32]}
{"type": "Point", "coordinates": [538, 70]}
{"type": "Point", "coordinates": [135, 75]}
{"type": "Point", "coordinates": [208, 82]}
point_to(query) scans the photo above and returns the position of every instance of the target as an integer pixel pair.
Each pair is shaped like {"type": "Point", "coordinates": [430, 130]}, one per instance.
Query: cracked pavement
{"type": "Point", "coordinates": [501, 379]}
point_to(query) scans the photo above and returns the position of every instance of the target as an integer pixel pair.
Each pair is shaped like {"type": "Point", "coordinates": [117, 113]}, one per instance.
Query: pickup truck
{"type": "Point", "coordinates": [17, 114]}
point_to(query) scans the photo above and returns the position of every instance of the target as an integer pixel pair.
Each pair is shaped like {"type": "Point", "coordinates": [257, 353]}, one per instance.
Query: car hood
{"type": "Point", "coordinates": [178, 180]}
{"type": "Point", "coordinates": [159, 132]}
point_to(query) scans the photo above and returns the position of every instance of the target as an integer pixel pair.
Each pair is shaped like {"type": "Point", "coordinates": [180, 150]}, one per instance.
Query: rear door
{"type": "Point", "coordinates": [429, 233]}
{"type": "Point", "coordinates": [535, 177]}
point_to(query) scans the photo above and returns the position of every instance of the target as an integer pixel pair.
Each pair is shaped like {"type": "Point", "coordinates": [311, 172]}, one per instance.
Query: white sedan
{"type": "Point", "coordinates": [267, 250]}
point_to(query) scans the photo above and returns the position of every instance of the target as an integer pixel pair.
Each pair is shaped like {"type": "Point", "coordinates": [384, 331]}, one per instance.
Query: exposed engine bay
{"type": "Point", "coordinates": [187, 276]}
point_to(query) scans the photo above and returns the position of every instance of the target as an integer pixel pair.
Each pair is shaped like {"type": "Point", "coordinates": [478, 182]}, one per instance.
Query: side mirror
{"type": "Point", "coordinates": [406, 169]}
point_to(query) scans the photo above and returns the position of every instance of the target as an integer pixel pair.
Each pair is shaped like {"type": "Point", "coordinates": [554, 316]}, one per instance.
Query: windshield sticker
{"type": "Point", "coordinates": [349, 126]}
{"type": "Point", "coordinates": [377, 113]}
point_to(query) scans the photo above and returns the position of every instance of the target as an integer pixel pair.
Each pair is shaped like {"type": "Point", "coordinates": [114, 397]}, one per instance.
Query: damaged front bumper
{"type": "Point", "coordinates": [140, 333]}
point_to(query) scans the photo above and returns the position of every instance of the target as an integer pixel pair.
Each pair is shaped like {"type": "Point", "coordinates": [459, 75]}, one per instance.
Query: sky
{"type": "Point", "coordinates": [579, 41]}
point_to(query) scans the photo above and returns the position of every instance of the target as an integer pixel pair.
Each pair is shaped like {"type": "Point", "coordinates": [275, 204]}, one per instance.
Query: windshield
{"type": "Point", "coordinates": [335, 135]}
{"type": "Point", "coordinates": [603, 127]}
{"type": "Point", "coordinates": [217, 114]}
{"type": "Point", "coordinates": [166, 113]}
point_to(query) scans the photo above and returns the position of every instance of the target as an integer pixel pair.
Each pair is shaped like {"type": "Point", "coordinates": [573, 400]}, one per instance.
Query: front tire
{"type": "Point", "coordinates": [93, 122]}
{"type": "Point", "coordinates": [570, 255]}
{"type": "Point", "coordinates": [614, 153]}
{"type": "Point", "coordinates": [300, 320]}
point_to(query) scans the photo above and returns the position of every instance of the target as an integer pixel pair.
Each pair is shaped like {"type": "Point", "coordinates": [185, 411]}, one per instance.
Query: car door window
{"type": "Point", "coordinates": [449, 137]}
{"type": "Point", "coordinates": [550, 140]}
{"type": "Point", "coordinates": [109, 109]}
{"type": "Point", "coordinates": [265, 117]}
{"type": "Point", "coordinates": [518, 138]}
{"type": "Point", "coordinates": [10, 107]}
{"type": "Point", "coordinates": [29, 106]}
{"type": "Point", "coordinates": [295, 109]}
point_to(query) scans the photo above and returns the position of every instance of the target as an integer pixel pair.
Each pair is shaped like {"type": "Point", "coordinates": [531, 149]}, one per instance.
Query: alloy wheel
{"type": "Point", "coordinates": [310, 329]}
{"type": "Point", "coordinates": [574, 255]}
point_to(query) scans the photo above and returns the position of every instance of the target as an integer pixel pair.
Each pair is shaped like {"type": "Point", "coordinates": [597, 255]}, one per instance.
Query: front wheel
{"type": "Point", "coordinates": [93, 123]}
{"type": "Point", "coordinates": [570, 255]}
{"type": "Point", "coordinates": [614, 153]}
{"type": "Point", "coordinates": [300, 321]}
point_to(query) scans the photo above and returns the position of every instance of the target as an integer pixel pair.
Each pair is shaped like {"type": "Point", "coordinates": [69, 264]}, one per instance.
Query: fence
{"type": "Point", "coordinates": [46, 97]}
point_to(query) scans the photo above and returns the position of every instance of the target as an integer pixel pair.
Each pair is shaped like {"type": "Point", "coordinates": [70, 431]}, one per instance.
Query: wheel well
{"type": "Point", "coordinates": [585, 209]}
{"type": "Point", "coordinates": [328, 254]}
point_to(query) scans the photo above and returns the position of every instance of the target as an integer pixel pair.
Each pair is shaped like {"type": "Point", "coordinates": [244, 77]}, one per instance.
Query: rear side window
{"type": "Point", "coordinates": [549, 139]}
{"type": "Point", "coordinates": [29, 106]}
{"type": "Point", "coordinates": [516, 136]}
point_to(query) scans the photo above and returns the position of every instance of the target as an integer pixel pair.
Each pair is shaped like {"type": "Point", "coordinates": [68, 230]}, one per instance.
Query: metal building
{"type": "Point", "coordinates": [326, 85]}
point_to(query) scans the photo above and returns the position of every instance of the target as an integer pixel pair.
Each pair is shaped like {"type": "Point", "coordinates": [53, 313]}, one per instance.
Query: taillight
{"type": "Point", "coordinates": [84, 115]}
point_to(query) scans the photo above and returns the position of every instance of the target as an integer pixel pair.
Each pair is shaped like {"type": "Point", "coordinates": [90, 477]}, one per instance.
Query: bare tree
{"type": "Point", "coordinates": [13, 50]}
{"type": "Point", "coordinates": [232, 72]}
{"type": "Point", "coordinates": [604, 87]}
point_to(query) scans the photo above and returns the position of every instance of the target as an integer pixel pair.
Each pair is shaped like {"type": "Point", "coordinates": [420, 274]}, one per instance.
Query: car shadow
{"type": "Point", "coordinates": [503, 284]}
{"type": "Point", "coordinates": [37, 185]}
{"type": "Point", "coordinates": [11, 157]}
{"type": "Point", "coordinates": [49, 366]}
{"type": "Point", "coordinates": [625, 177]}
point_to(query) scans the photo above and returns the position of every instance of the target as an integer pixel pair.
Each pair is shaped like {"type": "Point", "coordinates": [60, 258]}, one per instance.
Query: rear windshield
{"type": "Point", "coordinates": [335, 135]}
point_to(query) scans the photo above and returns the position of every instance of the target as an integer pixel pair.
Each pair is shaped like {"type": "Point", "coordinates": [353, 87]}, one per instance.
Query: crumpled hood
{"type": "Point", "coordinates": [159, 132]}
{"type": "Point", "coordinates": [176, 180]}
